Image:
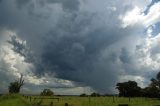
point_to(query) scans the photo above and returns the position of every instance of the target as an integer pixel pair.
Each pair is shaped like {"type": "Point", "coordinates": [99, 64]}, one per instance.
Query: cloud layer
{"type": "Point", "coordinates": [78, 44]}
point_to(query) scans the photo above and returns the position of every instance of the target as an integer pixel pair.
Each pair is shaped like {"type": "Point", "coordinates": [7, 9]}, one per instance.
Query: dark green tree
{"type": "Point", "coordinates": [47, 92]}
{"type": "Point", "coordinates": [83, 95]}
{"type": "Point", "coordinates": [15, 87]}
{"type": "Point", "coordinates": [129, 89]}
{"type": "Point", "coordinates": [95, 94]}
{"type": "Point", "coordinates": [153, 90]}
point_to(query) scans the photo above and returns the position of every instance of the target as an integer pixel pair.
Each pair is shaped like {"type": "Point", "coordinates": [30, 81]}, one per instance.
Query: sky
{"type": "Point", "coordinates": [78, 46]}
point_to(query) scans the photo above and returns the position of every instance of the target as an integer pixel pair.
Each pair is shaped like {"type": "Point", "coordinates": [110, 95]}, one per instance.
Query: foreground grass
{"type": "Point", "coordinates": [92, 101]}
{"type": "Point", "coordinates": [18, 100]}
{"type": "Point", "coordinates": [12, 100]}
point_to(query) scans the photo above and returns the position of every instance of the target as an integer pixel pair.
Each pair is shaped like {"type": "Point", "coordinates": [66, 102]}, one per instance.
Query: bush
{"type": "Point", "coordinates": [47, 92]}
{"type": "Point", "coordinates": [83, 95]}
{"type": "Point", "coordinates": [95, 94]}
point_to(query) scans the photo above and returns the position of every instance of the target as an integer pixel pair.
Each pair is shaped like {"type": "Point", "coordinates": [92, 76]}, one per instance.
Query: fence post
{"type": "Point", "coordinates": [66, 104]}
{"type": "Point", "coordinates": [30, 98]}
{"type": "Point", "coordinates": [113, 100]}
{"type": "Point", "coordinates": [51, 104]}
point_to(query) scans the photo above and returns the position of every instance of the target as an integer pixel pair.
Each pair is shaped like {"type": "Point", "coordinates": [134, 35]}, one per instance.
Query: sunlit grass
{"type": "Point", "coordinates": [18, 100]}
{"type": "Point", "coordinates": [95, 101]}
{"type": "Point", "coordinates": [12, 100]}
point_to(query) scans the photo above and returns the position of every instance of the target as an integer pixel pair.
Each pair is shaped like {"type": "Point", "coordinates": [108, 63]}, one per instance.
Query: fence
{"type": "Point", "coordinates": [89, 101]}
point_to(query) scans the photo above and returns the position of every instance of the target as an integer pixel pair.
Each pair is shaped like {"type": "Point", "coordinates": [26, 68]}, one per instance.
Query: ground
{"type": "Point", "coordinates": [12, 101]}
{"type": "Point", "coordinates": [19, 100]}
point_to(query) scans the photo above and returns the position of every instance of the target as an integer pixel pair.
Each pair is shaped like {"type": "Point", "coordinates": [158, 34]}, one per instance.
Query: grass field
{"type": "Point", "coordinates": [12, 100]}
{"type": "Point", "coordinates": [91, 101]}
{"type": "Point", "coordinates": [18, 100]}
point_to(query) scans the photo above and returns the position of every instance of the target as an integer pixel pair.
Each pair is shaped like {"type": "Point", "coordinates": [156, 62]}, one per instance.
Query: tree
{"type": "Point", "coordinates": [153, 90]}
{"type": "Point", "coordinates": [83, 95]}
{"type": "Point", "coordinates": [95, 94]}
{"type": "Point", "coordinates": [47, 92]}
{"type": "Point", "coordinates": [129, 89]}
{"type": "Point", "coordinates": [15, 87]}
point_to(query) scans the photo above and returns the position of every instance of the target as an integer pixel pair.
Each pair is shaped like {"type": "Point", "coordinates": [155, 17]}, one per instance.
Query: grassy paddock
{"type": "Point", "coordinates": [90, 101]}
{"type": "Point", "coordinates": [12, 100]}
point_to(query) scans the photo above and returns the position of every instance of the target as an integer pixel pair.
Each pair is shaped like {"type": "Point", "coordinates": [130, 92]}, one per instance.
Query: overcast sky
{"type": "Point", "coordinates": [78, 46]}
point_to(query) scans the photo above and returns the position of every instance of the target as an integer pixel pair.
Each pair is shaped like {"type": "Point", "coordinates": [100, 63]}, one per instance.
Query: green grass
{"type": "Point", "coordinates": [12, 100]}
{"type": "Point", "coordinates": [95, 101]}
{"type": "Point", "coordinates": [17, 100]}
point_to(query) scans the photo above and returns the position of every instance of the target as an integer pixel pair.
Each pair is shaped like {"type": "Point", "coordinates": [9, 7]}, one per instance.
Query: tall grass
{"type": "Point", "coordinates": [12, 100]}
{"type": "Point", "coordinates": [92, 101]}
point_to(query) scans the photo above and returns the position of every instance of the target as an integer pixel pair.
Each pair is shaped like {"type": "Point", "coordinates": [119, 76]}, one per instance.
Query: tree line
{"type": "Point", "coordinates": [131, 89]}
{"type": "Point", "coordinates": [126, 89]}
{"type": "Point", "coordinates": [16, 86]}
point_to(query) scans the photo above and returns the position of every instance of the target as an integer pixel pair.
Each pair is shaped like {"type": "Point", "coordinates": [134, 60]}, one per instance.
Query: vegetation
{"type": "Point", "coordinates": [15, 87]}
{"type": "Point", "coordinates": [47, 92]}
{"type": "Point", "coordinates": [12, 100]}
{"type": "Point", "coordinates": [18, 100]}
{"type": "Point", "coordinates": [83, 95]}
{"type": "Point", "coordinates": [129, 93]}
{"type": "Point", "coordinates": [153, 90]}
{"type": "Point", "coordinates": [131, 89]}
{"type": "Point", "coordinates": [92, 101]}
{"type": "Point", "coordinates": [95, 94]}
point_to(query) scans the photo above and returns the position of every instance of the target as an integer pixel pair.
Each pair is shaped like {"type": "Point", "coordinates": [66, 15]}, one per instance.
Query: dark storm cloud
{"type": "Point", "coordinates": [68, 5]}
{"type": "Point", "coordinates": [21, 3]}
{"type": "Point", "coordinates": [18, 47]}
{"type": "Point", "coordinates": [70, 43]}
{"type": "Point", "coordinates": [124, 57]}
{"type": "Point", "coordinates": [76, 56]}
{"type": "Point", "coordinates": [21, 48]}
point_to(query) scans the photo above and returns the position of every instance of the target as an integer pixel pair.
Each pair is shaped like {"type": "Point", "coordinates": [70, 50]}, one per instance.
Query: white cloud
{"type": "Point", "coordinates": [139, 79]}
{"type": "Point", "coordinates": [149, 53]}
{"type": "Point", "coordinates": [149, 31]}
{"type": "Point", "coordinates": [136, 16]}
{"type": "Point", "coordinates": [132, 17]}
{"type": "Point", "coordinates": [153, 15]}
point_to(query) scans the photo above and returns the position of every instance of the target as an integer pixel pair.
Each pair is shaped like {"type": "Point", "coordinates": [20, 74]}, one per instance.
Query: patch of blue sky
{"type": "Point", "coordinates": [156, 29]}
{"type": "Point", "coordinates": [148, 7]}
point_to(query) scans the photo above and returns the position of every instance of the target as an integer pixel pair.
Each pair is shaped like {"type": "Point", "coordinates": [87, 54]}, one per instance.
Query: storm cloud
{"type": "Point", "coordinates": [80, 43]}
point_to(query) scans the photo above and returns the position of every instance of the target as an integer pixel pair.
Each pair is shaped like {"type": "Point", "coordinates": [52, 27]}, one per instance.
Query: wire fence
{"type": "Point", "coordinates": [90, 101]}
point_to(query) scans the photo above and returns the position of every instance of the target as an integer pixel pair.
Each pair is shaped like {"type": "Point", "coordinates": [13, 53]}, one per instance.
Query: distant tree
{"type": "Point", "coordinates": [47, 92]}
{"type": "Point", "coordinates": [129, 89]}
{"type": "Point", "coordinates": [110, 95]}
{"type": "Point", "coordinates": [95, 94]}
{"type": "Point", "coordinates": [153, 90]}
{"type": "Point", "coordinates": [15, 87]}
{"type": "Point", "coordinates": [83, 95]}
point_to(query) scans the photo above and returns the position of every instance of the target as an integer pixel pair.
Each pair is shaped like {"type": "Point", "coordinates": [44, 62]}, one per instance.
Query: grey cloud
{"type": "Point", "coordinates": [21, 48]}
{"type": "Point", "coordinates": [17, 45]}
{"type": "Point", "coordinates": [69, 5]}
{"type": "Point", "coordinates": [77, 44]}
{"type": "Point", "coordinates": [5, 75]}
{"type": "Point", "coordinates": [124, 57]}
{"type": "Point", "coordinates": [22, 3]}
